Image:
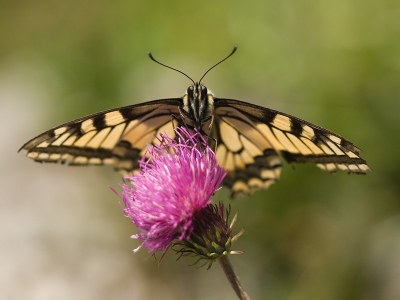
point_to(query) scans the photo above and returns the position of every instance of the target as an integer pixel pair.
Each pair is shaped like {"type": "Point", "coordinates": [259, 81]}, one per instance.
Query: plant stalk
{"type": "Point", "coordinates": [232, 278]}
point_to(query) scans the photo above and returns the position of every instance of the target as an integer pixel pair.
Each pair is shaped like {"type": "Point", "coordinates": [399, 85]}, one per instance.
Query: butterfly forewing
{"type": "Point", "coordinates": [117, 136]}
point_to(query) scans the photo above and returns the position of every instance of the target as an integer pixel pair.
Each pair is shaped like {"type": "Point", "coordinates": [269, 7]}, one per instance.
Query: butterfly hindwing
{"type": "Point", "coordinates": [118, 136]}
{"type": "Point", "coordinates": [250, 137]}
{"type": "Point", "coordinates": [251, 160]}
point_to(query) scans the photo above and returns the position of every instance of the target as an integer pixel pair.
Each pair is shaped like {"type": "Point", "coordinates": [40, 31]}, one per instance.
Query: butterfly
{"type": "Point", "coordinates": [250, 141]}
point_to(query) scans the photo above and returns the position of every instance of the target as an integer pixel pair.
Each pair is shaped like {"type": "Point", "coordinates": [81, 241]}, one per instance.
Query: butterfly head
{"type": "Point", "coordinates": [198, 103]}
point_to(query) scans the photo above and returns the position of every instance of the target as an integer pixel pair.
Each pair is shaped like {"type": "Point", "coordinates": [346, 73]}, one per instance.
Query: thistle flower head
{"type": "Point", "coordinates": [175, 181]}
{"type": "Point", "coordinates": [211, 237]}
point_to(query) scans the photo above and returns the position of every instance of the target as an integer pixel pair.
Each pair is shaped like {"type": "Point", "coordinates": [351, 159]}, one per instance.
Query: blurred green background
{"type": "Point", "coordinates": [311, 236]}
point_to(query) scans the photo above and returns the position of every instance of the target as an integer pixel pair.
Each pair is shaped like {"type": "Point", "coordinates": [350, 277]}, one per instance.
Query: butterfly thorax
{"type": "Point", "coordinates": [198, 105]}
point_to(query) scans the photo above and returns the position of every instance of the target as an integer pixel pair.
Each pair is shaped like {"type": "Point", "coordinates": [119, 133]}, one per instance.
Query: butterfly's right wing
{"type": "Point", "coordinates": [252, 139]}
{"type": "Point", "coordinates": [117, 136]}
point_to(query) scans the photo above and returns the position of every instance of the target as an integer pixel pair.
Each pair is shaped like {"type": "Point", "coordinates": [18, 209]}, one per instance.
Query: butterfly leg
{"type": "Point", "coordinates": [215, 141]}
{"type": "Point", "coordinates": [178, 123]}
{"type": "Point", "coordinates": [208, 135]}
{"type": "Point", "coordinates": [211, 125]}
{"type": "Point", "coordinates": [182, 119]}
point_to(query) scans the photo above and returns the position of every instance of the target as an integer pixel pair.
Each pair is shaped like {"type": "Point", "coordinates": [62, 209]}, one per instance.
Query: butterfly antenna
{"type": "Point", "coordinates": [233, 51]}
{"type": "Point", "coordinates": [153, 59]}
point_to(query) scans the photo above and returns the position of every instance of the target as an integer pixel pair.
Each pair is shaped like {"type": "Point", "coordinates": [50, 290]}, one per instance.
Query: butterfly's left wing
{"type": "Point", "coordinates": [117, 136]}
{"type": "Point", "coordinates": [251, 140]}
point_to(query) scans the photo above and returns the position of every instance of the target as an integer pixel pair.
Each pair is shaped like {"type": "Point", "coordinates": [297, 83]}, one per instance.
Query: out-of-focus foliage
{"type": "Point", "coordinates": [311, 236]}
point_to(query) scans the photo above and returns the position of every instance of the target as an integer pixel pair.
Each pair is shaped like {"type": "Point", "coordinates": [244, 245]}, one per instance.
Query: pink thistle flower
{"type": "Point", "coordinates": [175, 181]}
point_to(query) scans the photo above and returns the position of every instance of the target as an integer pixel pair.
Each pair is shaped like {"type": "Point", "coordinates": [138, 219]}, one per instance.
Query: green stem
{"type": "Point", "coordinates": [232, 278]}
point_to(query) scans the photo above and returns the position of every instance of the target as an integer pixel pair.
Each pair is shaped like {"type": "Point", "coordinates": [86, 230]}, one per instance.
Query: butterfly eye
{"type": "Point", "coordinates": [190, 91]}
{"type": "Point", "coordinates": [203, 92]}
